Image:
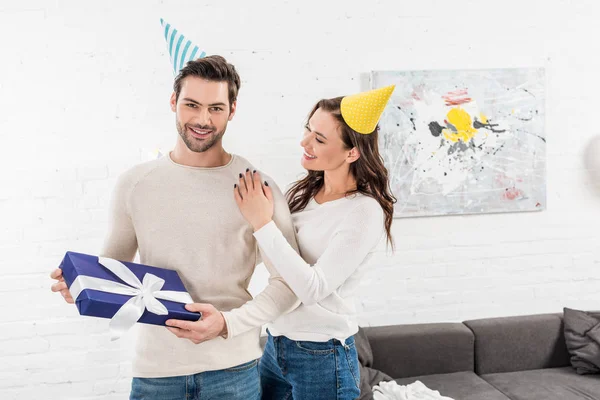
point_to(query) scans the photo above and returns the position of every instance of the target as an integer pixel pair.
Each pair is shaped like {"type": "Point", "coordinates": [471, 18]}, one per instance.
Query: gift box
{"type": "Point", "coordinates": [125, 292]}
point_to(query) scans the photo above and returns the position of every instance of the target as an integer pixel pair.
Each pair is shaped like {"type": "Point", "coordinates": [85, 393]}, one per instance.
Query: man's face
{"type": "Point", "coordinates": [202, 112]}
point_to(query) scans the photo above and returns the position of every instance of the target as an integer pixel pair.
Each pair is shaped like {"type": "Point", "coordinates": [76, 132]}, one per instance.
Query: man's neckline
{"type": "Point", "coordinates": [233, 156]}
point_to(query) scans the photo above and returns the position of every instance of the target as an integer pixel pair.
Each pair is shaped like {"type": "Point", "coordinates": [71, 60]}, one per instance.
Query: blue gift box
{"type": "Point", "coordinates": [101, 304]}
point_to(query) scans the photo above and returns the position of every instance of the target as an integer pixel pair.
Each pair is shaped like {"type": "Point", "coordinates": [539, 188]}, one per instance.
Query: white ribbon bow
{"type": "Point", "coordinates": [145, 294]}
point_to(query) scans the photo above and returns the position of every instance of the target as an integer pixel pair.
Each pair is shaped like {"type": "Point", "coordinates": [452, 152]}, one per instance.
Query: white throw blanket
{"type": "Point", "coordinates": [414, 391]}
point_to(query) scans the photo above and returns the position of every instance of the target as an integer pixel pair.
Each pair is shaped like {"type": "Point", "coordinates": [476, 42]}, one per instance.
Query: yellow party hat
{"type": "Point", "coordinates": [362, 111]}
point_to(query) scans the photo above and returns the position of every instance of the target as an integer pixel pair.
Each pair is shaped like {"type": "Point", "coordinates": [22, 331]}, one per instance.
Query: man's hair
{"type": "Point", "coordinates": [212, 68]}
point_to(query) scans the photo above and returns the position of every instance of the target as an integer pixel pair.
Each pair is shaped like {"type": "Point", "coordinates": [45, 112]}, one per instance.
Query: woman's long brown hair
{"type": "Point", "coordinates": [370, 173]}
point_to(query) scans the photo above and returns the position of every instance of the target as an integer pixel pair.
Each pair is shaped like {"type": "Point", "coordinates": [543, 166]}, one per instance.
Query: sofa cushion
{"type": "Point", "coordinates": [421, 349]}
{"type": "Point", "coordinates": [582, 335]}
{"type": "Point", "coordinates": [458, 385]}
{"type": "Point", "coordinates": [369, 377]}
{"type": "Point", "coordinates": [519, 343]}
{"type": "Point", "coordinates": [363, 348]}
{"type": "Point", "coordinates": [546, 384]}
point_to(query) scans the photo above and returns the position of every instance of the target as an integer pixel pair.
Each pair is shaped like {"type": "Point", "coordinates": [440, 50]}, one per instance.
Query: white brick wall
{"type": "Point", "coordinates": [84, 90]}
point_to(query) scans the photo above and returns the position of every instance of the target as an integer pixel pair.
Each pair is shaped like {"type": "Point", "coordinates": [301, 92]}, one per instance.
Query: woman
{"type": "Point", "coordinates": [340, 211]}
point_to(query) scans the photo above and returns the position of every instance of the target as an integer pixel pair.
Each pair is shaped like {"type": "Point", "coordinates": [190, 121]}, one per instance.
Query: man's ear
{"type": "Point", "coordinates": [232, 111]}
{"type": "Point", "coordinates": [173, 102]}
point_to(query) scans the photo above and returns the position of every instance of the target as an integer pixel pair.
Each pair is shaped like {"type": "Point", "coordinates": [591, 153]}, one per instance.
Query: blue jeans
{"type": "Point", "coordinates": [301, 370]}
{"type": "Point", "coordinates": [237, 383]}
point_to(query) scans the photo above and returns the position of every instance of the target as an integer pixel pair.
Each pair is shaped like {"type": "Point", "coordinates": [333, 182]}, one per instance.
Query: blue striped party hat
{"type": "Point", "coordinates": [180, 48]}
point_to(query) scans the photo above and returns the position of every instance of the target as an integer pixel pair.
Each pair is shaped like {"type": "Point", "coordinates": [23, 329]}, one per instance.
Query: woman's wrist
{"type": "Point", "coordinates": [261, 224]}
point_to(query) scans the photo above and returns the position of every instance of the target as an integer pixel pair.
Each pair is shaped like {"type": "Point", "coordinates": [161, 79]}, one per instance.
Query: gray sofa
{"type": "Point", "coordinates": [517, 358]}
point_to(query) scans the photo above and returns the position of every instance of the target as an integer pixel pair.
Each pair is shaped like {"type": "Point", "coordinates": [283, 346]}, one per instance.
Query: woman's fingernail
{"type": "Point", "coordinates": [266, 183]}
{"type": "Point", "coordinates": [247, 169]}
{"type": "Point", "coordinates": [240, 174]}
{"type": "Point", "coordinates": [235, 185]}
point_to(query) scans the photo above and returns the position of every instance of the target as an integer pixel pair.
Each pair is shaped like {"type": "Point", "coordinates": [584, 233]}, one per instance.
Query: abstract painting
{"type": "Point", "coordinates": [464, 141]}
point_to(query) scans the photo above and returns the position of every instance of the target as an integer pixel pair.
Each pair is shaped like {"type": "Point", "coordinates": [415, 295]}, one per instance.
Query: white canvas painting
{"type": "Point", "coordinates": [464, 141]}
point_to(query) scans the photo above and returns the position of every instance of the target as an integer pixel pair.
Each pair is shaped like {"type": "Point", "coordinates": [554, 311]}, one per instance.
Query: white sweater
{"type": "Point", "coordinates": [335, 239]}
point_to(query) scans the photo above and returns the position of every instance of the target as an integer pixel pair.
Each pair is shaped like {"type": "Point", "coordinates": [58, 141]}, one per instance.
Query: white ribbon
{"type": "Point", "coordinates": [145, 294]}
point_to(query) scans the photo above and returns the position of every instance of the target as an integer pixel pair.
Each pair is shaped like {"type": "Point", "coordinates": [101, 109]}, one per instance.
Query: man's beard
{"type": "Point", "coordinates": [196, 145]}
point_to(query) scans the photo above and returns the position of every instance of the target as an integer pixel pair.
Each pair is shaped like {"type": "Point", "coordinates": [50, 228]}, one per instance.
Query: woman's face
{"type": "Point", "coordinates": [322, 143]}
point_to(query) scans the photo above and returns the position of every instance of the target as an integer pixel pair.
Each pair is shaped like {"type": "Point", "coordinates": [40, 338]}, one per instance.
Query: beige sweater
{"type": "Point", "coordinates": [186, 219]}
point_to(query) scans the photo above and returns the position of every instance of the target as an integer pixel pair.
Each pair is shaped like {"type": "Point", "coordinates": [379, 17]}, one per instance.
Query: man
{"type": "Point", "coordinates": [180, 213]}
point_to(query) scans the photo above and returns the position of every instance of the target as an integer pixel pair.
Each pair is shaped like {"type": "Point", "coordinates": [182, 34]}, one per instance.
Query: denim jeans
{"type": "Point", "coordinates": [302, 370]}
{"type": "Point", "coordinates": [236, 383]}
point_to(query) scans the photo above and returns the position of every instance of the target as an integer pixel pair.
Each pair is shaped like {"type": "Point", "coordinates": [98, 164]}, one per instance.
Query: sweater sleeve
{"type": "Point", "coordinates": [120, 242]}
{"type": "Point", "coordinates": [277, 298]}
{"type": "Point", "coordinates": [355, 237]}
